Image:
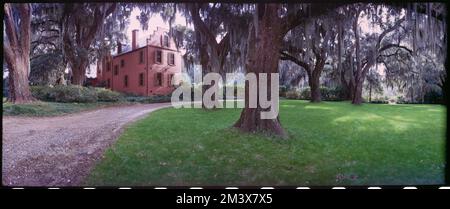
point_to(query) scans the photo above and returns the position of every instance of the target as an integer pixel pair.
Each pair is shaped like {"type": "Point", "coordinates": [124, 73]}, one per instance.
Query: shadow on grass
{"type": "Point", "coordinates": [331, 143]}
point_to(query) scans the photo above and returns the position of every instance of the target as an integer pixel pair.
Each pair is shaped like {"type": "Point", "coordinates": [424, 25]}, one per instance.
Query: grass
{"type": "Point", "coordinates": [331, 143]}
{"type": "Point", "coordinates": [41, 108]}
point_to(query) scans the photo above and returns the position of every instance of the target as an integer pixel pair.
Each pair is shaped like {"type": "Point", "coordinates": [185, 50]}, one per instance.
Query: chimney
{"type": "Point", "coordinates": [134, 39]}
{"type": "Point", "coordinates": [119, 47]}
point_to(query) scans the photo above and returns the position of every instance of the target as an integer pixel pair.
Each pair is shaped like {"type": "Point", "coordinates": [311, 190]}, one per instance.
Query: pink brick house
{"type": "Point", "coordinates": [143, 70]}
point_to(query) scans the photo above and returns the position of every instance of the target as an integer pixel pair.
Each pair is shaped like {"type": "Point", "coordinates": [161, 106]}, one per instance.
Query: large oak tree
{"type": "Point", "coordinates": [16, 48]}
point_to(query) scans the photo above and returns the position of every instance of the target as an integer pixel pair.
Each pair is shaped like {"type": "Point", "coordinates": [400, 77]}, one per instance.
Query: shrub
{"type": "Point", "coordinates": [159, 98]}
{"type": "Point", "coordinates": [327, 94]}
{"type": "Point", "coordinates": [73, 93]}
{"type": "Point", "coordinates": [379, 102]}
{"type": "Point", "coordinates": [293, 94]}
{"type": "Point", "coordinates": [305, 94]}
{"type": "Point", "coordinates": [333, 94]}
{"type": "Point", "coordinates": [149, 99]}
{"type": "Point", "coordinates": [106, 95]}
{"type": "Point", "coordinates": [62, 93]}
{"type": "Point", "coordinates": [41, 92]}
{"type": "Point", "coordinates": [433, 97]}
{"type": "Point", "coordinates": [283, 91]}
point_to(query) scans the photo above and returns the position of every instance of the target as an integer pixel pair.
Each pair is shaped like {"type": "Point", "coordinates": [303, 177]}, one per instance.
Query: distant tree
{"type": "Point", "coordinates": [308, 46]}
{"type": "Point", "coordinates": [81, 24]}
{"type": "Point", "coordinates": [47, 61]}
{"type": "Point", "coordinates": [374, 83]}
{"type": "Point", "coordinates": [375, 45]}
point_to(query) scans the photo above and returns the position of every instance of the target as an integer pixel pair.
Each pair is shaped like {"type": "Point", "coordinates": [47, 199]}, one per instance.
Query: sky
{"type": "Point", "coordinates": [154, 22]}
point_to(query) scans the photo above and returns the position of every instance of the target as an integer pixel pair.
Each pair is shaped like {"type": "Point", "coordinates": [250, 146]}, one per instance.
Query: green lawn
{"type": "Point", "coordinates": [331, 143]}
{"type": "Point", "coordinates": [41, 108]}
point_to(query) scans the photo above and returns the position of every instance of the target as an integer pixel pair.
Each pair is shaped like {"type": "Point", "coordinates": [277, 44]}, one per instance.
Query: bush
{"type": "Point", "coordinates": [73, 93]}
{"type": "Point", "coordinates": [106, 95]}
{"type": "Point", "coordinates": [327, 94]}
{"type": "Point", "coordinates": [433, 97]}
{"type": "Point", "coordinates": [41, 92]}
{"type": "Point", "coordinates": [149, 99]}
{"type": "Point", "coordinates": [305, 94]}
{"type": "Point", "coordinates": [293, 94]}
{"type": "Point", "coordinates": [62, 93]}
{"type": "Point", "coordinates": [283, 90]}
{"type": "Point", "coordinates": [379, 102]}
{"type": "Point", "coordinates": [158, 98]}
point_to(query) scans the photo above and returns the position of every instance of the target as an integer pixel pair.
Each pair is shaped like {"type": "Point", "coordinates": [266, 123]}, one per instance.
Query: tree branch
{"type": "Point", "coordinates": [388, 46]}
{"type": "Point", "coordinates": [287, 56]}
{"type": "Point", "coordinates": [10, 27]}
{"type": "Point", "coordinates": [384, 33]}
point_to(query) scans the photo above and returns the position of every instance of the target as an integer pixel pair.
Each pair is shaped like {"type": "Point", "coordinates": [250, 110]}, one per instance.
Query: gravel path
{"type": "Point", "coordinates": [60, 151]}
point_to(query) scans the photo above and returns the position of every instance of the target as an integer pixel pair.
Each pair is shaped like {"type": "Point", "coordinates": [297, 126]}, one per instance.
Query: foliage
{"type": "Point", "coordinates": [106, 95]}
{"type": "Point", "coordinates": [283, 90]}
{"type": "Point", "coordinates": [434, 97]}
{"type": "Point", "coordinates": [328, 94]}
{"type": "Point", "coordinates": [293, 94]}
{"type": "Point", "coordinates": [46, 68]}
{"type": "Point", "coordinates": [379, 102]}
{"type": "Point", "coordinates": [331, 143]}
{"type": "Point", "coordinates": [63, 93]}
{"type": "Point", "coordinates": [149, 99]}
{"type": "Point", "coordinates": [74, 93]}
{"type": "Point", "coordinates": [50, 108]}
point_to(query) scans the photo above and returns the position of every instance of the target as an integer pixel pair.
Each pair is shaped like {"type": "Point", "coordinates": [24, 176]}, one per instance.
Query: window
{"type": "Point", "coordinates": [166, 41]}
{"type": "Point", "coordinates": [171, 59]}
{"type": "Point", "coordinates": [125, 81]}
{"type": "Point", "coordinates": [108, 67]}
{"type": "Point", "coordinates": [158, 56]}
{"type": "Point", "coordinates": [169, 80]}
{"type": "Point", "coordinates": [141, 79]}
{"type": "Point", "coordinates": [141, 56]}
{"type": "Point", "coordinates": [158, 79]}
{"type": "Point", "coordinates": [108, 83]}
{"type": "Point", "coordinates": [116, 70]}
{"type": "Point", "coordinates": [122, 63]}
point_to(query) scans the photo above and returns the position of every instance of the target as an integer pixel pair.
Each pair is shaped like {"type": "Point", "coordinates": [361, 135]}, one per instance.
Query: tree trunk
{"type": "Point", "coordinates": [370, 92]}
{"type": "Point", "coordinates": [315, 75]}
{"type": "Point", "coordinates": [347, 86]}
{"type": "Point", "coordinates": [16, 48]}
{"type": "Point", "coordinates": [19, 89]}
{"type": "Point", "coordinates": [263, 55]}
{"type": "Point", "coordinates": [314, 84]}
{"type": "Point", "coordinates": [204, 60]}
{"type": "Point", "coordinates": [79, 73]}
{"type": "Point", "coordinates": [357, 96]}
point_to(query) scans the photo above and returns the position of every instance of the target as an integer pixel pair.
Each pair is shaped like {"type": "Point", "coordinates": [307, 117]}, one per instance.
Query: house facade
{"type": "Point", "coordinates": [146, 69]}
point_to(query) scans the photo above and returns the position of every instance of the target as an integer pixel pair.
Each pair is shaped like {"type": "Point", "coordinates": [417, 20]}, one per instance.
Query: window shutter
{"type": "Point", "coordinates": [156, 56]}
{"type": "Point", "coordinates": [168, 59]}
{"type": "Point", "coordinates": [155, 79]}
{"type": "Point", "coordinates": [161, 40]}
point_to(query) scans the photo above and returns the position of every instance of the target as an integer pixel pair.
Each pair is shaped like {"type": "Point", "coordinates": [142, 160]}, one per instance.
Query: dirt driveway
{"type": "Point", "coordinates": [60, 151]}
